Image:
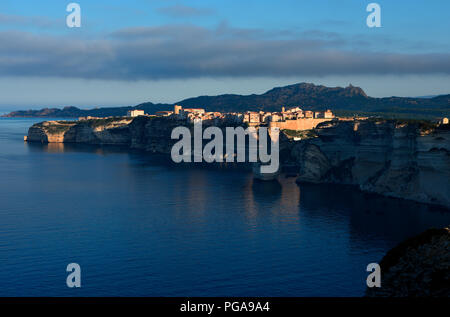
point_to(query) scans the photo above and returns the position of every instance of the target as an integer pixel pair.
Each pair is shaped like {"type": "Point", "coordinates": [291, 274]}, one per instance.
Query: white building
{"type": "Point", "coordinates": [135, 113]}
{"type": "Point", "coordinates": [195, 110]}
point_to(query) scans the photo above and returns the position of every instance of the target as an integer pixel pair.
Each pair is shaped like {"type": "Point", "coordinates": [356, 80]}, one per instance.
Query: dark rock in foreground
{"type": "Point", "coordinates": [417, 267]}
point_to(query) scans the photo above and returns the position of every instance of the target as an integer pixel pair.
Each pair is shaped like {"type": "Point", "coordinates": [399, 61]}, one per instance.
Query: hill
{"type": "Point", "coordinates": [344, 101]}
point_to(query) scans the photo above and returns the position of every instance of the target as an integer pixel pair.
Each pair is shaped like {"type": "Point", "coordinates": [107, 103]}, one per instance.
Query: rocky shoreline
{"type": "Point", "coordinates": [407, 160]}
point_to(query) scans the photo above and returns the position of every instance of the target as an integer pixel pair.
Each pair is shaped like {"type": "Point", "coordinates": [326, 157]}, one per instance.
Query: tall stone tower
{"type": "Point", "coordinates": [177, 109]}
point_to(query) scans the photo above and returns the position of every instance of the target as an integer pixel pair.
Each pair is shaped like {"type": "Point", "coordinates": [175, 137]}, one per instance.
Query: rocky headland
{"type": "Point", "coordinates": [409, 160]}
{"type": "Point", "coordinates": [95, 131]}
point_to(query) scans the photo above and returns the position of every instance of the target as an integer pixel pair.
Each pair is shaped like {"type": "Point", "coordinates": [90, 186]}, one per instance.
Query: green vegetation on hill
{"type": "Point", "coordinates": [100, 122]}
{"type": "Point", "coordinates": [421, 114]}
{"type": "Point", "coordinates": [305, 134]}
{"type": "Point", "coordinates": [59, 127]}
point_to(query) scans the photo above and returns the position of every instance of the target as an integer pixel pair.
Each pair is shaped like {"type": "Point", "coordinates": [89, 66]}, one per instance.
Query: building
{"type": "Point", "coordinates": [135, 113]}
{"type": "Point", "coordinates": [265, 118]}
{"type": "Point", "coordinates": [275, 117]}
{"type": "Point", "coordinates": [293, 110]}
{"type": "Point", "coordinates": [195, 110]}
{"type": "Point", "coordinates": [254, 117]}
{"type": "Point", "coordinates": [163, 113]}
{"type": "Point", "coordinates": [194, 118]}
{"type": "Point", "coordinates": [328, 114]}
{"type": "Point", "coordinates": [309, 114]}
{"type": "Point", "coordinates": [177, 109]}
{"type": "Point", "coordinates": [291, 119]}
{"type": "Point", "coordinates": [234, 117]}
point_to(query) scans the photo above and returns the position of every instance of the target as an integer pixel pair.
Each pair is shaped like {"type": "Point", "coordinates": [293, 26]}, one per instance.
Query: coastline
{"type": "Point", "coordinates": [321, 210]}
{"type": "Point", "coordinates": [394, 159]}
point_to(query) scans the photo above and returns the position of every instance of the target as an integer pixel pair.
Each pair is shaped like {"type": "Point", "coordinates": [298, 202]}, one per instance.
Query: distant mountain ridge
{"type": "Point", "coordinates": [308, 96]}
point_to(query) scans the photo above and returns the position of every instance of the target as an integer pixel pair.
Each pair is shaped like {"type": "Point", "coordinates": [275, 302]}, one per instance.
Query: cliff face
{"type": "Point", "coordinates": [399, 160]}
{"type": "Point", "coordinates": [417, 267]}
{"type": "Point", "coordinates": [107, 131]}
{"type": "Point", "coordinates": [392, 159]}
{"type": "Point", "coordinates": [152, 134]}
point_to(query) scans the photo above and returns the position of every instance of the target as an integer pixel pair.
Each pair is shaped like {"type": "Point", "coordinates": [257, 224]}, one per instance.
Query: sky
{"type": "Point", "coordinates": [133, 51]}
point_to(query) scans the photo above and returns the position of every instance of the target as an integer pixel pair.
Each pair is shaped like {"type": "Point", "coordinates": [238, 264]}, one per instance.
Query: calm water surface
{"type": "Point", "coordinates": [139, 226]}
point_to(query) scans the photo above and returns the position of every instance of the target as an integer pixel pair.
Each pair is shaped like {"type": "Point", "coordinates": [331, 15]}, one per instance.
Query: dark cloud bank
{"type": "Point", "coordinates": [188, 51]}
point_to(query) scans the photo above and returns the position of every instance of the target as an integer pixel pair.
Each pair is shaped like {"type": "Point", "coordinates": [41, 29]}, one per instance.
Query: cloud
{"type": "Point", "coordinates": [182, 11]}
{"type": "Point", "coordinates": [189, 51]}
{"type": "Point", "coordinates": [36, 21]}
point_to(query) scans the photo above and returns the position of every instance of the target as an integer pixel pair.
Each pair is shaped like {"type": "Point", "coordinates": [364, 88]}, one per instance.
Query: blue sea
{"type": "Point", "coordinates": [139, 225]}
